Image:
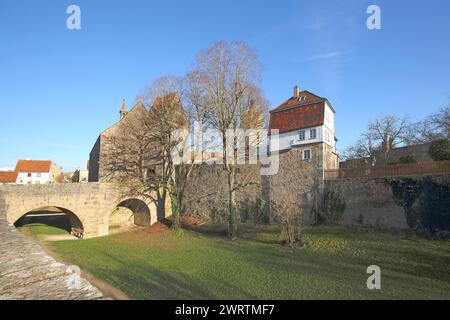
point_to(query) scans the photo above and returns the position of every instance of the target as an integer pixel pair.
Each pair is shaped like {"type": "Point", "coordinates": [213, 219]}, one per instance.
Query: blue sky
{"type": "Point", "coordinates": [60, 88]}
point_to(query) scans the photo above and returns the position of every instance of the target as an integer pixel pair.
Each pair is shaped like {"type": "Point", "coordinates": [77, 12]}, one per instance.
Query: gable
{"type": "Point", "coordinates": [135, 113]}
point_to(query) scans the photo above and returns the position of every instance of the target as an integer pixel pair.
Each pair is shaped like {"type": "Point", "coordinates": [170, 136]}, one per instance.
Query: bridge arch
{"type": "Point", "coordinates": [131, 211]}
{"type": "Point", "coordinates": [53, 216]}
{"type": "Point", "coordinates": [91, 203]}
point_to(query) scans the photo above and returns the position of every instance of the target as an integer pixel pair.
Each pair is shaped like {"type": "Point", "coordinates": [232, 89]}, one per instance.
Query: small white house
{"type": "Point", "coordinates": [36, 171]}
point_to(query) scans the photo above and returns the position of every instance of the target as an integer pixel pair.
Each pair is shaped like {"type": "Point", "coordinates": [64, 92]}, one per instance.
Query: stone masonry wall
{"type": "Point", "coordinates": [91, 203]}
{"type": "Point", "coordinates": [369, 203]}
{"type": "Point", "coordinates": [298, 177]}
{"type": "Point", "coordinates": [207, 190]}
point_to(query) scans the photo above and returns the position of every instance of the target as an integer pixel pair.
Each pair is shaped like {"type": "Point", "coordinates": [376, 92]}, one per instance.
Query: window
{"type": "Point", "coordinates": [302, 135]}
{"type": "Point", "coordinates": [29, 174]}
{"type": "Point", "coordinates": [38, 182]}
{"type": "Point", "coordinates": [312, 133]}
{"type": "Point", "coordinates": [38, 174]}
{"type": "Point", "coordinates": [307, 154]}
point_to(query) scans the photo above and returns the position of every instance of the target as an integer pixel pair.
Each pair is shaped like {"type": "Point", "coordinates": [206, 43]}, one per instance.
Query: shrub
{"type": "Point", "coordinates": [331, 207]}
{"type": "Point", "coordinates": [288, 211]}
{"type": "Point", "coordinates": [426, 203]}
{"type": "Point", "coordinates": [440, 150]}
{"type": "Point", "coordinates": [406, 191]}
{"type": "Point", "coordinates": [434, 206]}
{"type": "Point", "coordinates": [253, 211]}
{"type": "Point", "coordinates": [407, 159]}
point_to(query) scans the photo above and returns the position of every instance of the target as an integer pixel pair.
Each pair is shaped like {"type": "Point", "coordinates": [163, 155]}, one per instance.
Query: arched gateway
{"type": "Point", "coordinates": [88, 206]}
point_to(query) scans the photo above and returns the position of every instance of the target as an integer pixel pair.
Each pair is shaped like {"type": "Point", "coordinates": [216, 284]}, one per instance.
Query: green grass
{"type": "Point", "coordinates": [37, 229]}
{"type": "Point", "coordinates": [202, 264]}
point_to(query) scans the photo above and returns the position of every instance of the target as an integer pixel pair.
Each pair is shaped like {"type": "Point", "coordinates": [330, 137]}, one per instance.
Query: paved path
{"type": "Point", "coordinates": [27, 272]}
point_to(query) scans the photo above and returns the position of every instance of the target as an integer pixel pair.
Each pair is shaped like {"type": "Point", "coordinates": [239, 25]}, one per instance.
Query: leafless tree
{"type": "Point", "coordinates": [383, 135]}
{"type": "Point", "coordinates": [143, 149]}
{"type": "Point", "coordinates": [363, 148]}
{"type": "Point", "coordinates": [294, 194]}
{"type": "Point", "coordinates": [125, 152]}
{"type": "Point", "coordinates": [228, 74]}
{"type": "Point", "coordinates": [389, 132]}
{"type": "Point", "coordinates": [434, 127]}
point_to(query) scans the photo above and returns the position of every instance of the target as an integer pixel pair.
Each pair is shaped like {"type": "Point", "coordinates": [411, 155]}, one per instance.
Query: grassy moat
{"type": "Point", "coordinates": [199, 263]}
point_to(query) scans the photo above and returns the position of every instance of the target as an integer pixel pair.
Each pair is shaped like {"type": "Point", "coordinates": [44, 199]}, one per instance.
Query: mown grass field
{"type": "Point", "coordinates": [201, 264]}
{"type": "Point", "coordinates": [37, 229]}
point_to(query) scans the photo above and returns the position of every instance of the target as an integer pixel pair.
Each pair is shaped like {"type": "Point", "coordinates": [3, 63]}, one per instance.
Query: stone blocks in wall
{"type": "Point", "coordinates": [369, 203]}
{"type": "Point", "coordinates": [91, 203]}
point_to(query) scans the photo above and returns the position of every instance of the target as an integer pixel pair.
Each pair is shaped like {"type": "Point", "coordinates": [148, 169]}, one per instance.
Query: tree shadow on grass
{"type": "Point", "coordinates": [245, 232]}
{"type": "Point", "coordinates": [143, 281]}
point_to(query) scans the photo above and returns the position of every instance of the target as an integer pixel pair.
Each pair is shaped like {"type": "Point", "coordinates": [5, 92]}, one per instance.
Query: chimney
{"type": "Point", "coordinates": [296, 92]}
{"type": "Point", "coordinates": [123, 110]}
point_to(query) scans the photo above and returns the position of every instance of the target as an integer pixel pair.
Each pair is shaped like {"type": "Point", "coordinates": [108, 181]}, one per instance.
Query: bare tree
{"type": "Point", "coordinates": [127, 146]}
{"type": "Point", "coordinates": [383, 135]}
{"type": "Point", "coordinates": [295, 193]}
{"type": "Point", "coordinates": [175, 108]}
{"type": "Point", "coordinates": [363, 148]}
{"type": "Point", "coordinates": [229, 75]}
{"type": "Point", "coordinates": [434, 127]}
{"type": "Point", "coordinates": [389, 132]}
{"type": "Point", "coordinates": [145, 142]}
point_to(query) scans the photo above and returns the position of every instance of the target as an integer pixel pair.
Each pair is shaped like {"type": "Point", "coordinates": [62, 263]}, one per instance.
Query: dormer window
{"type": "Point", "coordinates": [301, 135]}
{"type": "Point", "coordinates": [302, 98]}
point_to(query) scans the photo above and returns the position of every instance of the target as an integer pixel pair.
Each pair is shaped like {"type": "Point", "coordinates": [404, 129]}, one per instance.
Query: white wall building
{"type": "Point", "coordinates": [303, 119]}
{"type": "Point", "coordinates": [36, 171]}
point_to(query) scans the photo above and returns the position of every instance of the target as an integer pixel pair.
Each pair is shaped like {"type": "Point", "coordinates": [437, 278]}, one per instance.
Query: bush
{"type": "Point", "coordinates": [406, 191]}
{"type": "Point", "coordinates": [434, 206]}
{"type": "Point", "coordinates": [440, 150]}
{"type": "Point", "coordinates": [331, 207]}
{"type": "Point", "coordinates": [407, 159]}
{"type": "Point", "coordinates": [253, 211]}
{"type": "Point", "coordinates": [426, 203]}
{"type": "Point", "coordinates": [404, 160]}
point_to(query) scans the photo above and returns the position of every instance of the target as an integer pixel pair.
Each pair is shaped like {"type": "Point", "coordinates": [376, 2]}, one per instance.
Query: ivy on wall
{"type": "Point", "coordinates": [426, 203]}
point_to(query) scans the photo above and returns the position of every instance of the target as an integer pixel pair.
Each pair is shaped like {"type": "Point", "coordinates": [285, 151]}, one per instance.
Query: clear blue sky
{"type": "Point", "coordinates": [60, 88]}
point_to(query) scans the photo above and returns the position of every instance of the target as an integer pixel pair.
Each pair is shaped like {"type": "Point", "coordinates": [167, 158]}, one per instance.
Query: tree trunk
{"type": "Point", "coordinates": [161, 206]}
{"type": "Point", "coordinates": [232, 223]}
{"type": "Point", "coordinates": [175, 202]}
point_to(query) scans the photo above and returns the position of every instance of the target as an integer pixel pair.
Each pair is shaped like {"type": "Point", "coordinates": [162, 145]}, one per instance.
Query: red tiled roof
{"type": "Point", "coordinates": [33, 165]}
{"type": "Point", "coordinates": [306, 97]}
{"type": "Point", "coordinates": [295, 113]}
{"type": "Point", "coordinates": [8, 176]}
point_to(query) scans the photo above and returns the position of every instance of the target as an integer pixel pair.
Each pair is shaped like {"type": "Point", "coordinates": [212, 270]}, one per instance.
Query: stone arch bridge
{"type": "Point", "coordinates": [87, 205]}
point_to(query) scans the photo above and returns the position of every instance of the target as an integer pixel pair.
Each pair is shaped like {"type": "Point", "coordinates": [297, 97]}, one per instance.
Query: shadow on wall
{"type": "Point", "coordinates": [139, 210]}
